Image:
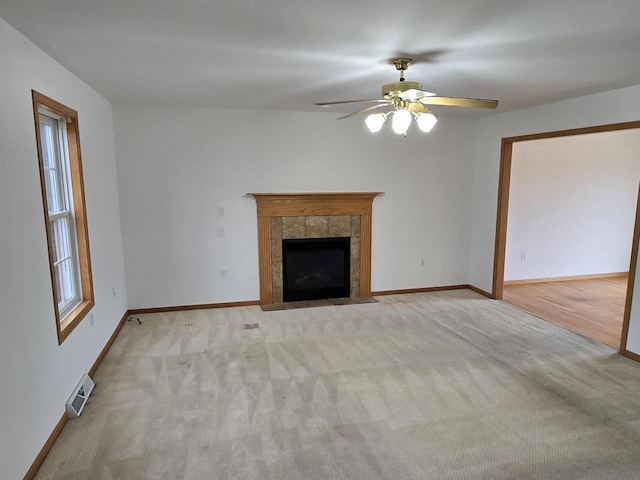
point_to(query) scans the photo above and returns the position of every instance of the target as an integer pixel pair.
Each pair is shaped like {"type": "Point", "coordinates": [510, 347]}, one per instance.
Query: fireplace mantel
{"type": "Point", "coordinates": [277, 205]}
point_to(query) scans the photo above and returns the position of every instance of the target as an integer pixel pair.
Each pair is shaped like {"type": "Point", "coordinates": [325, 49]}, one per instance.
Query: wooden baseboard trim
{"type": "Point", "coordinates": [480, 291]}
{"type": "Point", "coordinates": [35, 466]}
{"type": "Point", "coordinates": [418, 290]}
{"type": "Point", "coordinates": [107, 346]}
{"type": "Point", "coordinates": [631, 355]}
{"type": "Point", "coordinates": [433, 289]}
{"type": "Point", "coordinates": [203, 306]}
{"type": "Point", "coordinates": [593, 276]}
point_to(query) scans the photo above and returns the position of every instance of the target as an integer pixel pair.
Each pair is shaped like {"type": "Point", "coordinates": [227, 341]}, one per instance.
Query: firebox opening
{"type": "Point", "coordinates": [316, 268]}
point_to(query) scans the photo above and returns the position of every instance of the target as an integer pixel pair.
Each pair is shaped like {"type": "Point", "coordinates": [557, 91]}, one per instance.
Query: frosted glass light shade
{"type": "Point", "coordinates": [374, 122]}
{"type": "Point", "coordinates": [401, 121]}
{"type": "Point", "coordinates": [426, 121]}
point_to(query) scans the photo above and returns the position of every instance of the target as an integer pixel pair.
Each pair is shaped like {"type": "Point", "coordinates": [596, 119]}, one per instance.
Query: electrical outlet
{"type": "Point", "coordinates": [113, 291]}
{"type": "Point", "coordinates": [423, 263]}
{"type": "Point", "coordinates": [221, 211]}
{"type": "Point", "coordinates": [523, 255]}
{"type": "Point", "coordinates": [221, 231]}
{"type": "Point", "coordinates": [223, 272]}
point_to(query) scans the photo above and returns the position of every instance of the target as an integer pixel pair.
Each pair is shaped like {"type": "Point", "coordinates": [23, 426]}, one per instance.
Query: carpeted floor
{"type": "Point", "coordinates": [446, 385]}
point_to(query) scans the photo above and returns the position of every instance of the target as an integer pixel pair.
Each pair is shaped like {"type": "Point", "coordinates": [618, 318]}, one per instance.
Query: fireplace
{"type": "Point", "coordinates": [292, 216]}
{"type": "Point", "coordinates": [315, 268]}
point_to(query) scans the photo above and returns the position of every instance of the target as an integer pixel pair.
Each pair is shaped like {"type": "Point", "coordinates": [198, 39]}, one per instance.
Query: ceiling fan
{"type": "Point", "coordinates": [407, 99]}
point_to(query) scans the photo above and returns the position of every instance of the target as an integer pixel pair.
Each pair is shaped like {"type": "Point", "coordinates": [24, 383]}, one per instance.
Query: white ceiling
{"type": "Point", "coordinates": [288, 54]}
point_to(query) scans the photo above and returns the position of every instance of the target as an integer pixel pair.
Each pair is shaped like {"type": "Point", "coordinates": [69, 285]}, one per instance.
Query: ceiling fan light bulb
{"type": "Point", "coordinates": [401, 121]}
{"type": "Point", "coordinates": [426, 121]}
{"type": "Point", "coordinates": [374, 122]}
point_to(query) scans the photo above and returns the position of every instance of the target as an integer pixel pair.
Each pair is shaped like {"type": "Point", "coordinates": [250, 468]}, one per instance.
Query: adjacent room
{"type": "Point", "coordinates": [268, 240]}
{"type": "Point", "coordinates": [572, 208]}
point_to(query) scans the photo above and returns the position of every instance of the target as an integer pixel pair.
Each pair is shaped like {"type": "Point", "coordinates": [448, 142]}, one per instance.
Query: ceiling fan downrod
{"type": "Point", "coordinates": [391, 90]}
{"type": "Point", "coordinates": [402, 64]}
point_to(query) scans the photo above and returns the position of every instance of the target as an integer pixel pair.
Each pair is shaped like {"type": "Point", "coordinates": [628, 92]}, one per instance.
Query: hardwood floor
{"type": "Point", "coordinates": [593, 307]}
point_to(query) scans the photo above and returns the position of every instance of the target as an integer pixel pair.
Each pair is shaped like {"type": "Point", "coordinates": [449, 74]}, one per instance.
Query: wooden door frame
{"type": "Point", "coordinates": [504, 181]}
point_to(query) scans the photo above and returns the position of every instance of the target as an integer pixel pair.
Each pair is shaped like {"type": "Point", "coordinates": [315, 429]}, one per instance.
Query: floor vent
{"type": "Point", "coordinates": [79, 397]}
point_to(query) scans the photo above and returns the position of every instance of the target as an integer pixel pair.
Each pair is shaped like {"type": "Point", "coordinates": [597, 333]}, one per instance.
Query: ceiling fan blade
{"type": "Point", "coordinates": [460, 102]}
{"type": "Point", "coordinates": [417, 107]}
{"type": "Point", "coordinates": [367, 109]}
{"type": "Point", "coordinates": [415, 94]}
{"type": "Point", "coordinates": [325, 104]}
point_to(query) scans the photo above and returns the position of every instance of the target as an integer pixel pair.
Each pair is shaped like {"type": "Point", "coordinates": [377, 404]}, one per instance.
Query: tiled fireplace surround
{"type": "Point", "coordinates": [313, 215]}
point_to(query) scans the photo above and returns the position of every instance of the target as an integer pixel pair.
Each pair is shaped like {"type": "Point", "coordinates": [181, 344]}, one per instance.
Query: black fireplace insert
{"type": "Point", "coordinates": [316, 268]}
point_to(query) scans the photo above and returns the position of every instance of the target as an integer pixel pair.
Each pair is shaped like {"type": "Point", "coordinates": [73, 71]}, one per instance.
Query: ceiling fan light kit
{"type": "Point", "coordinates": [375, 121]}
{"type": "Point", "coordinates": [426, 121]}
{"type": "Point", "coordinates": [401, 121]}
{"type": "Point", "coordinates": [408, 101]}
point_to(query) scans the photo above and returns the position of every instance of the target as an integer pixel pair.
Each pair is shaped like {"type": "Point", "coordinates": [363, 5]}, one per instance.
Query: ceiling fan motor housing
{"type": "Point", "coordinates": [390, 90]}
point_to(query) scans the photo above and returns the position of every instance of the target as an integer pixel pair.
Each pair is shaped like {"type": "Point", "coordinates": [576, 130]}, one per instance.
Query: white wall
{"type": "Point", "coordinates": [177, 165]}
{"type": "Point", "coordinates": [572, 203]}
{"type": "Point", "coordinates": [36, 374]}
{"type": "Point", "coordinates": [605, 108]}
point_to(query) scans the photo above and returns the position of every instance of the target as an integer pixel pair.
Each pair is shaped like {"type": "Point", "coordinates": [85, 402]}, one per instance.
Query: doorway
{"type": "Point", "coordinates": [557, 299]}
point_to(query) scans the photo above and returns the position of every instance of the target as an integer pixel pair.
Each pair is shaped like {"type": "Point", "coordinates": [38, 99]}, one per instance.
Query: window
{"type": "Point", "coordinates": [64, 210]}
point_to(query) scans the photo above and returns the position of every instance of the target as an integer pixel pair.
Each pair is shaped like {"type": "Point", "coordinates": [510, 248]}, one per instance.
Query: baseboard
{"type": "Point", "coordinates": [202, 306]}
{"type": "Point", "coordinates": [432, 289]}
{"type": "Point", "coordinates": [480, 291]}
{"type": "Point", "coordinates": [593, 276]}
{"type": "Point", "coordinates": [418, 290]}
{"type": "Point", "coordinates": [107, 346]}
{"type": "Point", "coordinates": [631, 355]}
{"type": "Point", "coordinates": [35, 466]}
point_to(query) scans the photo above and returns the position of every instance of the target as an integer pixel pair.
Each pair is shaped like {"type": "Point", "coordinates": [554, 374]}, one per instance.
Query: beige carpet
{"type": "Point", "coordinates": [446, 385]}
{"type": "Point", "coordinates": [317, 303]}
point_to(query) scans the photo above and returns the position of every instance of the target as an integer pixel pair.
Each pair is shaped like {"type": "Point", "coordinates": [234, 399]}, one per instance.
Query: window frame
{"type": "Point", "coordinates": [62, 210]}
{"type": "Point", "coordinates": [71, 173]}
